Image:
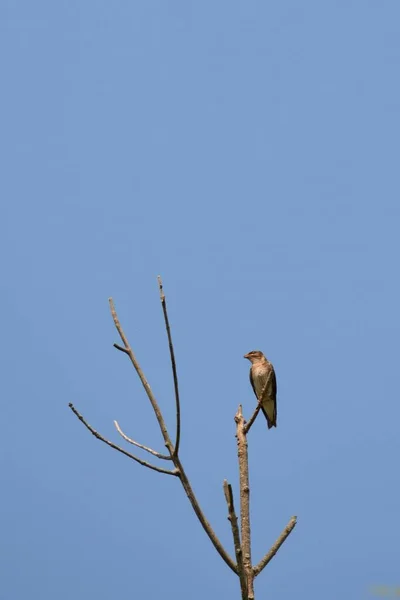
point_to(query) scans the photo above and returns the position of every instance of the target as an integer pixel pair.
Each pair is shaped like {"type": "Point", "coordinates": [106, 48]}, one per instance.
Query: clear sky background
{"type": "Point", "coordinates": [249, 153]}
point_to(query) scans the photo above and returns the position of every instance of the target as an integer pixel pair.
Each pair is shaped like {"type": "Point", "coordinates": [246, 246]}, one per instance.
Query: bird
{"type": "Point", "coordinates": [262, 374]}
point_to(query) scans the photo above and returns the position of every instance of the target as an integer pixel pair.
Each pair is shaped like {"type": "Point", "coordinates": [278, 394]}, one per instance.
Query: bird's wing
{"type": "Point", "coordinates": [269, 407]}
{"type": "Point", "coordinates": [274, 387]}
{"type": "Point", "coordinates": [252, 382]}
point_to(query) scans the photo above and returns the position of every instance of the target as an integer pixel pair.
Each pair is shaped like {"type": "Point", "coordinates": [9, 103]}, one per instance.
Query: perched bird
{"type": "Point", "coordinates": [261, 369]}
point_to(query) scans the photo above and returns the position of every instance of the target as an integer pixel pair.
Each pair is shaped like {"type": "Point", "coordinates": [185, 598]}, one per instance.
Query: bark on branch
{"type": "Point", "coordinates": [236, 538]}
{"type": "Point", "coordinates": [244, 500]}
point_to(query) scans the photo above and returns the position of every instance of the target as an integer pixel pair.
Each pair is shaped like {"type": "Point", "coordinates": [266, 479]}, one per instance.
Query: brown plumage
{"type": "Point", "coordinates": [261, 369]}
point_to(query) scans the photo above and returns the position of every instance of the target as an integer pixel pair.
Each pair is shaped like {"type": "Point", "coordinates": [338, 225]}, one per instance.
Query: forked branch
{"type": "Point", "coordinates": [173, 450]}
{"type": "Point", "coordinates": [112, 445]}
{"type": "Point", "coordinates": [146, 448]}
{"type": "Point", "coordinates": [241, 434]}
{"type": "Point", "coordinates": [128, 350]}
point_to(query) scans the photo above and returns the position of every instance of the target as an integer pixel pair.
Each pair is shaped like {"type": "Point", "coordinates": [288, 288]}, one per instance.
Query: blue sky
{"type": "Point", "coordinates": [249, 153]}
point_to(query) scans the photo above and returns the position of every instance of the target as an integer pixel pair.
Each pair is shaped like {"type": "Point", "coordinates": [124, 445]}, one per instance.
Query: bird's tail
{"type": "Point", "coordinates": [270, 414]}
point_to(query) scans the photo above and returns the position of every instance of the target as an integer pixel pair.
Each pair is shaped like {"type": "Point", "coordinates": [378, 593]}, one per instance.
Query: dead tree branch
{"type": "Point", "coordinates": [132, 456]}
{"type": "Point", "coordinates": [241, 434]}
{"type": "Point", "coordinates": [285, 533]}
{"type": "Point", "coordinates": [179, 470]}
{"type": "Point", "coordinates": [236, 538]}
{"type": "Point", "coordinates": [128, 350]}
{"type": "Point", "coordinates": [173, 365]}
{"type": "Point", "coordinates": [150, 450]}
{"type": "Point", "coordinates": [244, 500]}
{"type": "Point", "coordinates": [199, 513]}
{"type": "Point", "coordinates": [253, 417]}
{"type": "Point", "coordinates": [175, 458]}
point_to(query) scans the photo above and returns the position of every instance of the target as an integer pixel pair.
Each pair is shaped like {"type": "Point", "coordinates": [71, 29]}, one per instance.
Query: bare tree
{"type": "Point", "coordinates": [242, 566]}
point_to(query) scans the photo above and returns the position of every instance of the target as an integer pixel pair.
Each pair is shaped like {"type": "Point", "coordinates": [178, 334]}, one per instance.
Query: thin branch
{"type": "Point", "coordinates": [200, 515]}
{"type": "Point", "coordinates": [246, 427]}
{"type": "Point", "coordinates": [128, 350]}
{"type": "Point", "coordinates": [236, 538]}
{"type": "Point", "coordinates": [259, 405]}
{"type": "Point", "coordinates": [244, 500]}
{"type": "Point", "coordinates": [118, 347]}
{"type": "Point", "coordinates": [285, 533]}
{"type": "Point", "coordinates": [173, 365]}
{"type": "Point", "coordinates": [103, 439]}
{"type": "Point", "coordinates": [128, 439]}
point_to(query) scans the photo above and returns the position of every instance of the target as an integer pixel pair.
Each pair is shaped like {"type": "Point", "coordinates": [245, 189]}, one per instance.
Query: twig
{"type": "Point", "coordinates": [118, 347]}
{"type": "Point", "coordinates": [128, 350]}
{"type": "Point", "coordinates": [173, 365]}
{"type": "Point", "coordinates": [285, 533]}
{"type": "Point", "coordinates": [128, 439]}
{"type": "Point", "coordinates": [103, 439]}
{"type": "Point", "coordinates": [257, 410]}
{"type": "Point", "coordinates": [236, 538]}
{"type": "Point", "coordinates": [244, 500]}
{"type": "Point", "coordinates": [253, 417]}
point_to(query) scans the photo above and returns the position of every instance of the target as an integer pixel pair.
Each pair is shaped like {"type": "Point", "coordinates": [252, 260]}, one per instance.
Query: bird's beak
{"type": "Point", "coordinates": [246, 356]}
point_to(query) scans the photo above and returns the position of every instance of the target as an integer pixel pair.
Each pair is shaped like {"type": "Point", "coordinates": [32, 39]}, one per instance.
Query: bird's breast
{"type": "Point", "coordinates": [260, 374]}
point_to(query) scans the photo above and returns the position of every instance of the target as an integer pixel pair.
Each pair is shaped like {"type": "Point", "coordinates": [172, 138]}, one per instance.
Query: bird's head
{"type": "Point", "coordinates": [255, 356]}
